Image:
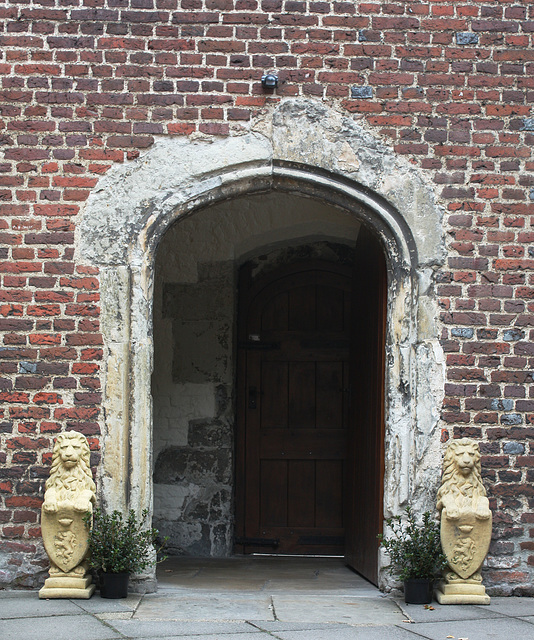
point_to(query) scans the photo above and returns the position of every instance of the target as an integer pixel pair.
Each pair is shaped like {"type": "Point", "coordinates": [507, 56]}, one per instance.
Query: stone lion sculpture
{"type": "Point", "coordinates": [69, 497]}
{"type": "Point", "coordinates": [465, 524]}
{"type": "Point", "coordinates": [70, 483]}
{"type": "Point", "coordinates": [461, 486]}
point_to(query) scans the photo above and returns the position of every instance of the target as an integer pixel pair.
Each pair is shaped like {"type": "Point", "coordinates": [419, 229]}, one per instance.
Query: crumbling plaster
{"type": "Point", "coordinates": [299, 146]}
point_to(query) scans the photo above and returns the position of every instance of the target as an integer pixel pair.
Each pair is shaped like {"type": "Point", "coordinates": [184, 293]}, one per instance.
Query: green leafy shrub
{"type": "Point", "coordinates": [118, 544]}
{"type": "Point", "coordinates": [414, 548]}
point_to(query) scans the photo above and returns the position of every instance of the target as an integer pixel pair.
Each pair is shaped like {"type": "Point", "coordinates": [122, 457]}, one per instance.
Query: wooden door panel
{"type": "Point", "coordinates": [304, 540]}
{"type": "Point", "coordinates": [273, 494]}
{"type": "Point", "coordinates": [330, 413]}
{"type": "Point", "coordinates": [273, 394]}
{"type": "Point", "coordinates": [294, 335]}
{"type": "Point", "coordinates": [330, 314]}
{"type": "Point", "coordinates": [366, 441]}
{"type": "Point", "coordinates": [301, 493]}
{"type": "Point", "coordinates": [301, 395]}
{"type": "Point", "coordinates": [329, 494]}
{"type": "Point", "coordinates": [302, 444]}
{"type": "Point", "coordinates": [275, 314]}
{"type": "Point", "coordinates": [302, 308]}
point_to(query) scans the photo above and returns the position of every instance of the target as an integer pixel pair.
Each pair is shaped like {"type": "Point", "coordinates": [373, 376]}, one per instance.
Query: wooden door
{"type": "Point", "coordinates": [293, 409]}
{"type": "Point", "coordinates": [365, 465]}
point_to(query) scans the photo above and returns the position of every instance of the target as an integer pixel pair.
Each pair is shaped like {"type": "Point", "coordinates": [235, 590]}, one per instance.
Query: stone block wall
{"type": "Point", "coordinates": [193, 409]}
{"type": "Point", "coordinates": [89, 83]}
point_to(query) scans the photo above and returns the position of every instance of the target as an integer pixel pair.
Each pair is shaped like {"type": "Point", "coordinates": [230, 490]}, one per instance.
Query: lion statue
{"type": "Point", "coordinates": [70, 484]}
{"type": "Point", "coordinates": [461, 490]}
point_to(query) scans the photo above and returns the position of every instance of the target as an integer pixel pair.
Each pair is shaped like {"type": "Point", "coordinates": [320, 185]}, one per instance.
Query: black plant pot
{"type": "Point", "coordinates": [114, 585]}
{"type": "Point", "coordinates": [418, 591]}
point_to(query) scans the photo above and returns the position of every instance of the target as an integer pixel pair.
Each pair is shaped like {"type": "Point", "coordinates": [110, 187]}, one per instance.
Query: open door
{"type": "Point", "coordinates": [365, 455]}
{"type": "Point", "coordinates": [310, 409]}
{"type": "Point", "coordinates": [294, 349]}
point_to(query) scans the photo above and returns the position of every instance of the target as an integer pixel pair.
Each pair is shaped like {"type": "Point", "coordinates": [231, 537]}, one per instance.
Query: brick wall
{"type": "Point", "coordinates": [88, 83]}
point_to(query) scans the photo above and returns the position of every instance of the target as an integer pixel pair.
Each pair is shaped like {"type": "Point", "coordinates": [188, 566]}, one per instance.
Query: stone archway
{"type": "Point", "coordinates": [300, 147]}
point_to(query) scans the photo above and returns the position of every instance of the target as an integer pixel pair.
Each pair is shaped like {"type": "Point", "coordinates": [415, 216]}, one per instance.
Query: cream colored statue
{"type": "Point", "coordinates": [465, 525]}
{"type": "Point", "coordinates": [69, 496]}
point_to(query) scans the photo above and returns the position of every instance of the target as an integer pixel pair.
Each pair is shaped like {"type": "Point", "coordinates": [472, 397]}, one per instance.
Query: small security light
{"type": "Point", "coordinates": [269, 81]}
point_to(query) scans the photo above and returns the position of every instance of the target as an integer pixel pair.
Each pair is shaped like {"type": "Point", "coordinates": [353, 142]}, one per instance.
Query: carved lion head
{"type": "Point", "coordinates": [71, 453]}
{"type": "Point", "coordinates": [462, 461]}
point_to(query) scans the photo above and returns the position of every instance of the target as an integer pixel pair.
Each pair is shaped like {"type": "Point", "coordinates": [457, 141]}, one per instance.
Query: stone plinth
{"type": "Point", "coordinates": [461, 593]}
{"type": "Point", "coordinates": [68, 586]}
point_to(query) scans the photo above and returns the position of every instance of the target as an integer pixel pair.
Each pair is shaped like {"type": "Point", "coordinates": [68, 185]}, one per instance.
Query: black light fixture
{"type": "Point", "coordinates": [269, 81]}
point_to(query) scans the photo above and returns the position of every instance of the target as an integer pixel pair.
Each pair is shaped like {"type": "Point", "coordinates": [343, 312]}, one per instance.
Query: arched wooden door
{"type": "Point", "coordinates": [296, 433]}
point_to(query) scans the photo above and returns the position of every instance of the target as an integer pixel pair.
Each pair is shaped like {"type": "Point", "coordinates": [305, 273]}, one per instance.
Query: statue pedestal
{"type": "Point", "coordinates": [73, 587]}
{"type": "Point", "coordinates": [461, 593]}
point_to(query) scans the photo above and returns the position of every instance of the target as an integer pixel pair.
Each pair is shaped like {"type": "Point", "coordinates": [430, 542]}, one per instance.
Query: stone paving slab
{"type": "Point", "coordinates": [97, 605]}
{"type": "Point", "coordinates": [502, 628]}
{"type": "Point", "coordinates": [203, 606]}
{"type": "Point", "coordinates": [177, 628]}
{"type": "Point", "coordinates": [84, 627]}
{"type": "Point", "coordinates": [222, 583]}
{"type": "Point", "coordinates": [217, 636]}
{"type": "Point", "coordinates": [327, 608]}
{"type": "Point", "coordinates": [114, 615]}
{"type": "Point", "coordinates": [443, 613]}
{"type": "Point", "coordinates": [22, 618]}
{"type": "Point", "coordinates": [277, 625]}
{"type": "Point", "coordinates": [25, 607]}
{"type": "Point", "coordinates": [261, 574]}
{"type": "Point", "coordinates": [327, 585]}
{"type": "Point", "coordinates": [352, 633]}
{"type": "Point", "coordinates": [511, 606]}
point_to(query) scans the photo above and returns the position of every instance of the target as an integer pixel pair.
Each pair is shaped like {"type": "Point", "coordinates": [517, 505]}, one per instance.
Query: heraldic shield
{"type": "Point", "coordinates": [465, 542]}
{"type": "Point", "coordinates": [65, 537]}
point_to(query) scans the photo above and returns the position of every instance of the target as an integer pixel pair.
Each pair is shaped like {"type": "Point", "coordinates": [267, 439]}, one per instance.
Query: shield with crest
{"type": "Point", "coordinates": [465, 542]}
{"type": "Point", "coordinates": [65, 537]}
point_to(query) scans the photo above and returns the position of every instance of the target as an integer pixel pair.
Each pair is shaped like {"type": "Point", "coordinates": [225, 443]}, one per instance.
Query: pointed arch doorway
{"type": "Point", "coordinates": [127, 218]}
{"type": "Point", "coordinates": [310, 408]}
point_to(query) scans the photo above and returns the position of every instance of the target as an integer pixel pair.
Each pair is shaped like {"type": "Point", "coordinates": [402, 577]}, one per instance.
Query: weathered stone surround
{"type": "Point", "coordinates": [137, 203]}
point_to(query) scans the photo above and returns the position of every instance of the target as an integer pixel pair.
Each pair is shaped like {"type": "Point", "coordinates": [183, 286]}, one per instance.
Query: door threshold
{"type": "Point", "coordinates": [290, 555]}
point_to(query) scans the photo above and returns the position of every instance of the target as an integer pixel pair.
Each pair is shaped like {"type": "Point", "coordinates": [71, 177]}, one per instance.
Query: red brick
{"type": "Point", "coordinates": [24, 501]}
{"type": "Point", "coordinates": [27, 443]}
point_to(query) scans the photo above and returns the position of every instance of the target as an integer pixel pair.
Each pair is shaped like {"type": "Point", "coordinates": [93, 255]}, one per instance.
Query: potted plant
{"type": "Point", "coordinates": [119, 546]}
{"type": "Point", "coordinates": [416, 555]}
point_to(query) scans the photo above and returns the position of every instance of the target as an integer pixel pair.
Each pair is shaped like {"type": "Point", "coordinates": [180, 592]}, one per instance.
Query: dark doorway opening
{"type": "Point", "coordinates": [310, 397]}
